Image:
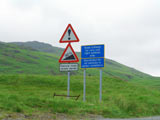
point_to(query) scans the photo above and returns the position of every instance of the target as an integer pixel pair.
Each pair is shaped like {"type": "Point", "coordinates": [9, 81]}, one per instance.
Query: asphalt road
{"type": "Point", "coordinates": [148, 118]}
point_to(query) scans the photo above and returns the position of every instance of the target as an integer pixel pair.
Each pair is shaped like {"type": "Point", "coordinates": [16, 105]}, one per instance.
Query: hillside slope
{"type": "Point", "coordinates": [43, 47]}
{"type": "Point", "coordinates": [16, 59]}
{"type": "Point", "coordinates": [33, 94]}
{"type": "Point", "coordinates": [30, 75]}
{"type": "Point", "coordinates": [40, 58]}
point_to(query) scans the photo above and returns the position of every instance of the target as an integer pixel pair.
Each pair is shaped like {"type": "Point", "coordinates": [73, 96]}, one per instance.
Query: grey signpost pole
{"type": "Point", "coordinates": [92, 56]}
{"type": "Point", "coordinates": [68, 84]}
{"type": "Point", "coordinates": [68, 36]}
{"type": "Point", "coordinates": [84, 86]}
{"type": "Point", "coordinates": [100, 88]}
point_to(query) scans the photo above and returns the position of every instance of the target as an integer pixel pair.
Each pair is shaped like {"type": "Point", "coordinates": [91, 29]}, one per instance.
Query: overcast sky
{"type": "Point", "coordinates": [130, 29]}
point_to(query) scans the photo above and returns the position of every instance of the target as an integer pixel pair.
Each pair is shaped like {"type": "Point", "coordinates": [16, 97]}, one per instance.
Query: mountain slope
{"type": "Point", "coordinates": [40, 58]}
{"type": "Point", "coordinates": [43, 47]}
{"type": "Point", "coordinates": [27, 94]}
{"type": "Point", "coordinates": [15, 59]}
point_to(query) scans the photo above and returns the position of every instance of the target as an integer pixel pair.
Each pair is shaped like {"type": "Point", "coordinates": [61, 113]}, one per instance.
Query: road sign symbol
{"type": "Point", "coordinates": [69, 35]}
{"type": "Point", "coordinates": [68, 55]}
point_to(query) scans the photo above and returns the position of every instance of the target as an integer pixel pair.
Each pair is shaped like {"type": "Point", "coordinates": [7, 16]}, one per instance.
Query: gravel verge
{"type": "Point", "coordinates": [48, 116]}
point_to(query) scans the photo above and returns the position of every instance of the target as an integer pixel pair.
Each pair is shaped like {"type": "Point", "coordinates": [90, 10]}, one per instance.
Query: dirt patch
{"type": "Point", "coordinates": [49, 116]}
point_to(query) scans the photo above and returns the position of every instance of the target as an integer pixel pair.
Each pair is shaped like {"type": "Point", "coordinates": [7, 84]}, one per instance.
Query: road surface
{"type": "Point", "coordinates": [148, 118]}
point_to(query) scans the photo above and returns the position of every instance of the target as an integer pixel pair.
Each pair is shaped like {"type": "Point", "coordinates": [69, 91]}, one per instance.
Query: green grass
{"type": "Point", "coordinates": [42, 59]}
{"type": "Point", "coordinates": [28, 94]}
{"type": "Point", "coordinates": [153, 83]}
{"type": "Point", "coordinates": [17, 60]}
{"type": "Point", "coordinates": [126, 91]}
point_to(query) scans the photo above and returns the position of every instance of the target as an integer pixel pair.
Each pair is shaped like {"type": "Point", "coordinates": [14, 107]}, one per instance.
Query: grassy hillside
{"type": "Point", "coordinates": [153, 83]}
{"type": "Point", "coordinates": [43, 47]}
{"type": "Point", "coordinates": [29, 75]}
{"type": "Point", "coordinates": [40, 58]}
{"type": "Point", "coordinates": [15, 59]}
{"type": "Point", "coordinates": [30, 94]}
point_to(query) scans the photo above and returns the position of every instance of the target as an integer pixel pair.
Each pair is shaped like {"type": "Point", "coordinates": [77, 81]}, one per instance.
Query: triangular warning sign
{"type": "Point", "coordinates": [69, 35]}
{"type": "Point", "coordinates": [68, 55]}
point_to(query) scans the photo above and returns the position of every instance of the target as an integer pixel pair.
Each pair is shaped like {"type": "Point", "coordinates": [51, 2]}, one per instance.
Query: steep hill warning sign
{"type": "Point", "coordinates": [68, 55]}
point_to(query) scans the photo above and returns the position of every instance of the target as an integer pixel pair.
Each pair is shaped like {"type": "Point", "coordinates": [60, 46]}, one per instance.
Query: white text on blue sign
{"type": "Point", "coordinates": [92, 51]}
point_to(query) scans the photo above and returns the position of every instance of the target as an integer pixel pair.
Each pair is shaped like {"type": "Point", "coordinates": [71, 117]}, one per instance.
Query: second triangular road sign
{"type": "Point", "coordinates": [69, 35]}
{"type": "Point", "coordinates": [68, 55]}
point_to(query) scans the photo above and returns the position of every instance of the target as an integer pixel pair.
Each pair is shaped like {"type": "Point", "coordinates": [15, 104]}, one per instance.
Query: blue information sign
{"type": "Point", "coordinates": [92, 56]}
{"type": "Point", "coordinates": [92, 51]}
{"type": "Point", "coordinates": [92, 63]}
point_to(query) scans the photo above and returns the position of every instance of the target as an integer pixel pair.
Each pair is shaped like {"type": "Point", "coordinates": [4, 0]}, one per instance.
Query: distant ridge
{"type": "Point", "coordinates": [41, 58]}
{"type": "Point", "coordinates": [40, 46]}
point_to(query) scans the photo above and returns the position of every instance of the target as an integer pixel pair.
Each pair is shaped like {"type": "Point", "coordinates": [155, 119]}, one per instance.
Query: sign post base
{"type": "Point", "coordinates": [68, 88]}
{"type": "Point", "coordinates": [84, 86]}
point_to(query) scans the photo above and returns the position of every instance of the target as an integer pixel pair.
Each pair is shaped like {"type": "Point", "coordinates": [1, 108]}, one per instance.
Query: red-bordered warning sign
{"type": "Point", "coordinates": [69, 35]}
{"type": "Point", "coordinates": [68, 55]}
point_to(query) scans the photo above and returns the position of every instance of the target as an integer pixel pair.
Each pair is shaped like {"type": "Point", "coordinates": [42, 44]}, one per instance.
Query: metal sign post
{"type": "Point", "coordinates": [100, 87]}
{"type": "Point", "coordinates": [84, 86]}
{"type": "Point", "coordinates": [68, 87]}
{"type": "Point", "coordinates": [69, 56]}
{"type": "Point", "coordinates": [92, 56]}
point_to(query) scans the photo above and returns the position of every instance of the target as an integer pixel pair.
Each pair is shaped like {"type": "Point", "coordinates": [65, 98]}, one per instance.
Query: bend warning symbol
{"type": "Point", "coordinates": [68, 55]}
{"type": "Point", "coordinates": [69, 35]}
